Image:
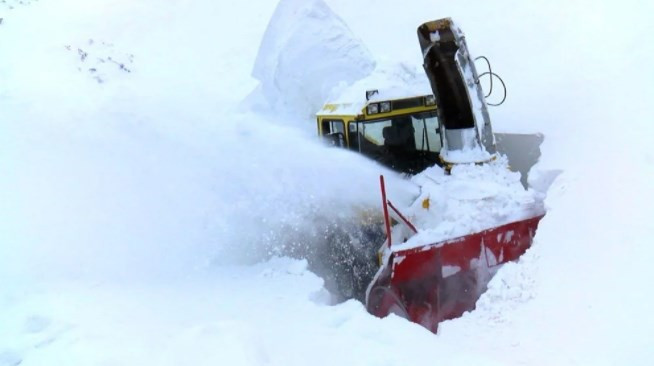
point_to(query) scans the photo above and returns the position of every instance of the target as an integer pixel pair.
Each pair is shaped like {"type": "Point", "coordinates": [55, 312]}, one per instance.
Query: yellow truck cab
{"type": "Point", "coordinates": [403, 134]}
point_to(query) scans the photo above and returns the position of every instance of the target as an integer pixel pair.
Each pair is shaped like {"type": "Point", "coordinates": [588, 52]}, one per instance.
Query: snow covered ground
{"type": "Point", "coordinates": [141, 176]}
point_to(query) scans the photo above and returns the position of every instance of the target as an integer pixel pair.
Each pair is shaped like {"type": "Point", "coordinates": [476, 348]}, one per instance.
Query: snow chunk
{"type": "Point", "coordinates": [448, 271]}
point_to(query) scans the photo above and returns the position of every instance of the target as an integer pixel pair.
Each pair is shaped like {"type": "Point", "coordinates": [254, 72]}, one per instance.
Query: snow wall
{"type": "Point", "coordinates": [306, 52]}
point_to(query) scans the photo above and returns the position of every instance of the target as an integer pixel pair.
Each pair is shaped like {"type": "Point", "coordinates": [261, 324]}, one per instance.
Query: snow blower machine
{"type": "Point", "coordinates": [473, 213]}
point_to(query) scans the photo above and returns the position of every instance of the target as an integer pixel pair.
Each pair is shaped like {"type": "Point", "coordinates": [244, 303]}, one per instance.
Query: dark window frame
{"type": "Point", "coordinates": [430, 114]}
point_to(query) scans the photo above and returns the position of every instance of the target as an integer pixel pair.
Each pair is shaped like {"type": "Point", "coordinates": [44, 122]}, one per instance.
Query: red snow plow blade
{"type": "Point", "coordinates": [442, 280]}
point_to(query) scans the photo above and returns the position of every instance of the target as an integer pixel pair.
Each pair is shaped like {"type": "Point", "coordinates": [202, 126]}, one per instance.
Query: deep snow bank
{"type": "Point", "coordinates": [306, 52]}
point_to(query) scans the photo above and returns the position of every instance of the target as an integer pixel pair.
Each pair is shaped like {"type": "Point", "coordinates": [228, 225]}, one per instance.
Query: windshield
{"type": "Point", "coordinates": [418, 132]}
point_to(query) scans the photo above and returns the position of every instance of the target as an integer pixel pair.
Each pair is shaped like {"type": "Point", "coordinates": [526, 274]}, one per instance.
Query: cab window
{"type": "Point", "coordinates": [420, 131]}
{"type": "Point", "coordinates": [427, 132]}
{"type": "Point", "coordinates": [332, 126]}
{"type": "Point", "coordinates": [333, 132]}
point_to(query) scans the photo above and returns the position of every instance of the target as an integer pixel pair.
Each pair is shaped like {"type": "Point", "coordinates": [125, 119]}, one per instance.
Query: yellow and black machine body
{"type": "Point", "coordinates": [403, 134]}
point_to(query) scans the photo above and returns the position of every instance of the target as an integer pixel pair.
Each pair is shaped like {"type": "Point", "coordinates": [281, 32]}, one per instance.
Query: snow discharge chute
{"type": "Point", "coordinates": [455, 83]}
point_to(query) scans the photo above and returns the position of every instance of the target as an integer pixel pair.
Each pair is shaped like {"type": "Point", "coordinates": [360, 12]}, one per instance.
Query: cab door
{"type": "Point", "coordinates": [333, 131]}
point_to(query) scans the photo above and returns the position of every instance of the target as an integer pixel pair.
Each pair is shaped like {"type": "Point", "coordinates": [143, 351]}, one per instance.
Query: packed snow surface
{"type": "Point", "coordinates": [133, 204]}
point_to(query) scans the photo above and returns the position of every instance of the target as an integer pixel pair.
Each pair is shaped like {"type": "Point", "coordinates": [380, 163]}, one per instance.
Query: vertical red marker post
{"type": "Point", "coordinates": [387, 221]}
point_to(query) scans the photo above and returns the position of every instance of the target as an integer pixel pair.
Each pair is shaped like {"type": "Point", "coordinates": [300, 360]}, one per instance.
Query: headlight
{"type": "Point", "coordinates": [373, 108]}
{"type": "Point", "coordinates": [385, 107]}
{"type": "Point", "coordinates": [430, 100]}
